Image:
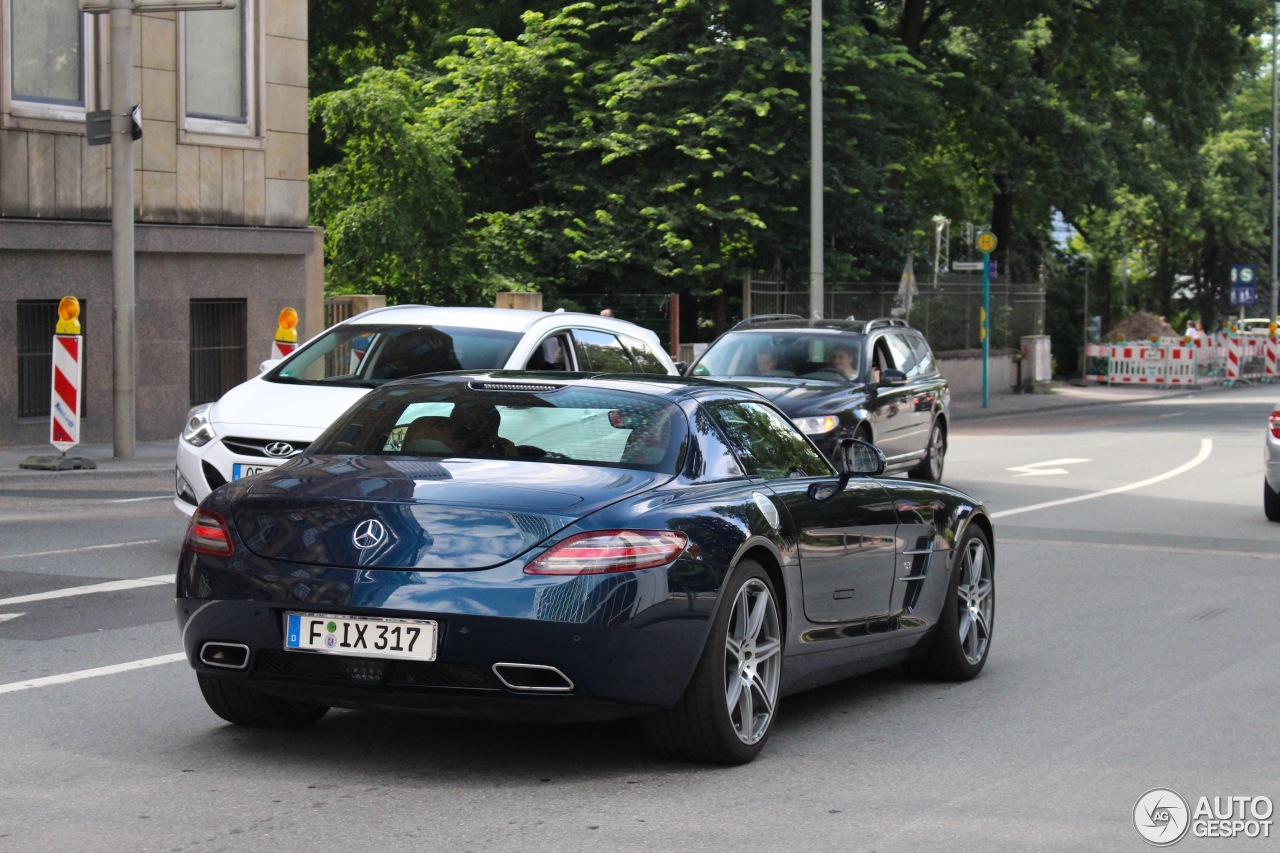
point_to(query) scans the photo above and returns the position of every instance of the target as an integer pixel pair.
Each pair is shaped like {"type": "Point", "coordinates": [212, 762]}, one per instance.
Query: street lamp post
{"type": "Point", "coordinates": [123, 283]}
{"type": "Point", "coordinates": [816, 296]}
{"type": "Point", "coordinates": [1275, 162]}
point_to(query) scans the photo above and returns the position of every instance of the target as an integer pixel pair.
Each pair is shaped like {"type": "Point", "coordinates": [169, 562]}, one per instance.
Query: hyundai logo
{"type": "Point", "coordinates": [369, 533]}
{"type": "Point", "coordinates": [279, 449]}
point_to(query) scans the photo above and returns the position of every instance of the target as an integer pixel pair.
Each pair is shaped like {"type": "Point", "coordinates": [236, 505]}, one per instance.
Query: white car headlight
{"type": "Point", "coordinates": [817, 426]}
{"type": "Point", "coordinates": [198, 431]}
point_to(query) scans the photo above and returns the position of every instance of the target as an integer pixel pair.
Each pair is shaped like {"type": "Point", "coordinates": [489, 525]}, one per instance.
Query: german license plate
{"type": "Point", "coordinates": [239, 470]}
{"type": "Point", "coordinates": [362, 636]}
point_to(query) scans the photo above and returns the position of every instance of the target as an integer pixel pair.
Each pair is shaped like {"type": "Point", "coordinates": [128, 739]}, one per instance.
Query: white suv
{"type": "Point", "coordinates": [274, 416]}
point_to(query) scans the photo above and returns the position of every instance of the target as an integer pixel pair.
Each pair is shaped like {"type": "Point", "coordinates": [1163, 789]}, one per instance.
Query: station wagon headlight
{"type": "Point", "coordinates": [198, 431]}
{"type": "Point", "coordinates": [817, 426]}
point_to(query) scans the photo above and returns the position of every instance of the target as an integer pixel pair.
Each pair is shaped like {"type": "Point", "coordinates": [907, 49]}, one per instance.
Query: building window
{"type": "Point", "coordinates": [50, 48]}
{"type": "Point", "coordinates": [37, 321]}
{"type": "Point", "coordinates": [218, 347]}
{"type": "Point", "coordinates": [218, 71]}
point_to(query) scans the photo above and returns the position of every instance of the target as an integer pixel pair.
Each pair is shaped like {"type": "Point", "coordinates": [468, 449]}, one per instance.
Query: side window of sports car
{"type": "Point", "coordinates": [768, 445]}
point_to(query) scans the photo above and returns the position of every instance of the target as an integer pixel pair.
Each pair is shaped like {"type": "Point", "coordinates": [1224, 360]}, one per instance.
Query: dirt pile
{"type": "Point", "coordinates": [1141, 326]}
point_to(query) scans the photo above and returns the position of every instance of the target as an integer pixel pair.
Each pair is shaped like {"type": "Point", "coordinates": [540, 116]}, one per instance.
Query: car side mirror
{"type": "Point", "coordinates": [859, 458]}
{"type": "Point", "coordinates": [889, 376]}
{"type": "Point", "coordinates": [853, 458]}
{"type": "Point", "coordinates": [269, 364]}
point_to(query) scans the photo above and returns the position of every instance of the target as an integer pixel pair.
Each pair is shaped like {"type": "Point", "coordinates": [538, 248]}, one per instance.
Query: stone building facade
{"type": "Point", "coordinates": [220, 184]}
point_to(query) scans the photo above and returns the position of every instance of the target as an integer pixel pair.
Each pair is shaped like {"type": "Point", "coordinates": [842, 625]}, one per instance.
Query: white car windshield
{"type": "Point", "coordinates": [366, 355]}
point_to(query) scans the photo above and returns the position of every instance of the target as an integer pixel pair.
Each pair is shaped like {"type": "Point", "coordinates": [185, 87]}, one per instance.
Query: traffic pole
{"type": "Point", "coordinates": [986, 244]}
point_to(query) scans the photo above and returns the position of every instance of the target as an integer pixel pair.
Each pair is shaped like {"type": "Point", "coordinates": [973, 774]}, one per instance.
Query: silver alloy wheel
{"type": "Point", "coordinates": [752, 661]}
{"type": "Point", "coordinates": [937, 449]}
{"type": "Point", "coordinates": [974, 599]}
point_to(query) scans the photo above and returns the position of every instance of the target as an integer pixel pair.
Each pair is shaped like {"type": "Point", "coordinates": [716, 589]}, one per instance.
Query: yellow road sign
{"type": "Point", "coordinates": [986, 242]}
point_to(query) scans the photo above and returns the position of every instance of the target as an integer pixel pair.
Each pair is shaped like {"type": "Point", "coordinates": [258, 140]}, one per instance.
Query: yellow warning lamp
{"type": "Point", "coordinates": [1272, 328]}
{"type": "Point", "coordinates": [1155, 339]}
{"type": "Point", "coordinates": [68, 316]}
{"type": "Point", "coordinates": [288, 329]}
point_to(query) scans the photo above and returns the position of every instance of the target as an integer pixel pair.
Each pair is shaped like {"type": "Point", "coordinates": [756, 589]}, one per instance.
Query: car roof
{"type": "Point", "coordinates": [501, 319]}
{"type": "Point", "coordinates": [671, 387]}
{"type": "Point", "coordinates": [792, 322]}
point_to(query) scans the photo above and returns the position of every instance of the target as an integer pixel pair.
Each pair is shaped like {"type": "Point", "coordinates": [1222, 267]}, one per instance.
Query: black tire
{"type": "Point", "coordinates": [961, 641]}
{"type": "Point", "coordinates": [706, 725]}
{"type": "Point", "coordinates": [1270, 501]}
{"type": "Point", "coordinates": [237, 702]}
{"type": "Point", "coordinates": [930, 467]}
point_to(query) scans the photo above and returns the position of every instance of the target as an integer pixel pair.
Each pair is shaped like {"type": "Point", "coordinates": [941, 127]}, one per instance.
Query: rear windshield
{"type": "Point", "coordinates": [780, 354]}
{"type": "Point", "coordinates": [555, 424]}
{"type": "Point", "coordinates": [366, 356]}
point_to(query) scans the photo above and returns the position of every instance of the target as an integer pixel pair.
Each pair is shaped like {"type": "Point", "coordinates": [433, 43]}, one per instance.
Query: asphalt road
{"type": "Point", "coordinates": [1135, 647]}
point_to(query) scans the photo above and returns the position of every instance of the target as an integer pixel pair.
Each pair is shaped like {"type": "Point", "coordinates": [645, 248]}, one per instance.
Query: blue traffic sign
{"type": "Point", "coordinates": [1244, 284]}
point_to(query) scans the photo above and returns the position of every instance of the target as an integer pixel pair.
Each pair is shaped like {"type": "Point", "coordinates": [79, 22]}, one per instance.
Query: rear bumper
{"type": "Point", "coordinates": [626, 644]}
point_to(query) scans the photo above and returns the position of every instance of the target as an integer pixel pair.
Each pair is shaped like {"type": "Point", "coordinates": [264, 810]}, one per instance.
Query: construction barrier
{"type": "Point", "coordinates": [286, 340]}
{"type": "Point", "coordinates": [64, 403]}
{"type": "Point", "coordinates": [1213, 359]}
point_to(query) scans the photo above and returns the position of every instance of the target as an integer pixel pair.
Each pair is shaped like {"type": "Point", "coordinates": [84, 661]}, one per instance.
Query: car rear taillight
{"type": "Point", "coordinates": [604, 551]}
{"type": "Point", "coordinates": [208, 534]}
{"type": "Point", "coordinates": [1275, 423]}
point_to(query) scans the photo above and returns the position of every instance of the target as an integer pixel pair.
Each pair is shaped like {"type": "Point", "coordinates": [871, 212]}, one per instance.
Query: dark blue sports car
{"type": "Point", "coordinates": [572, 546]}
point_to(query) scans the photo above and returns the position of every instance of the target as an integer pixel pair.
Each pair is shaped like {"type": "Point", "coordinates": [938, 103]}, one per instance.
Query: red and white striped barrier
{"type": "Point", "coordinates": [281, 349]}
{"type": "Point", "coordinates": [1143, 364]}
{"type": "Point", "coordinates": [1270, 359]}
{"type": "Point", "coordinates": [64, 404]}
{"type": "Point", "coordinates": [1234, 356]}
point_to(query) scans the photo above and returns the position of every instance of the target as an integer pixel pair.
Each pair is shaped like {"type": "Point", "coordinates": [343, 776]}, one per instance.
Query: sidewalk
{"type": "Point", "coordinates": [1063, 395]}
{"type": "Point", "coordinates": [156, 457]}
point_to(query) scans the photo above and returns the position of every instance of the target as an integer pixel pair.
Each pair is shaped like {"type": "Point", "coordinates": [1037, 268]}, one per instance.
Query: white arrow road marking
{"type": "Point", "coordinates": [5, 617]}
{"type": "Point", "coordinates": [50, 680]}
{"type": "Point", "coordinates": [109, 586]}
{"type": "Point", "coordinates": [1042, 469]}
{"type": "Point", "coordinates": [1206, 448]}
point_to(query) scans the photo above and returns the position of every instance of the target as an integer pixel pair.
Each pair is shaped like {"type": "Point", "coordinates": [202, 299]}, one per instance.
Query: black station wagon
{"type": "Point", "coordinates": [874, 380]}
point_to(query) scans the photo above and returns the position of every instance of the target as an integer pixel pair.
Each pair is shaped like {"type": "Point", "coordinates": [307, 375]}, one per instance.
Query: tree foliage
{"type": "Point", "coordinates": [658, 145]}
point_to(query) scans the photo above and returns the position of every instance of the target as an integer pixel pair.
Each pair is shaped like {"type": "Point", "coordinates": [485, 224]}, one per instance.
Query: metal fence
{"type": "Point", "coordinates": [219, 344]}
{"type": "Point", "coordinates": [37, 321]}
{"type": "Point", "coordinates": [948, 314]}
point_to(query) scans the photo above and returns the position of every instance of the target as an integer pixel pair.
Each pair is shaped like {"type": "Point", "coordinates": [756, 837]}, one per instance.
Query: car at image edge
{"type": "Point", "coordinates": [274, 416]}
{"type": "Point", "coordinates": [1271, 459]}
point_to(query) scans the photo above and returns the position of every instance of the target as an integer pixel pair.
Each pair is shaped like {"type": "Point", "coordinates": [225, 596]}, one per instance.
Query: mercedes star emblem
{"type": "Point", "coordinates": [369, 533]}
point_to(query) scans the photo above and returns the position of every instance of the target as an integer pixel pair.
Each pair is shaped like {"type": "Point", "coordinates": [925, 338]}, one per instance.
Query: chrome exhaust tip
{"type": "Point", "coordinates": [225, 655]}
{"type": "Point", "coordinates": [532, 678]}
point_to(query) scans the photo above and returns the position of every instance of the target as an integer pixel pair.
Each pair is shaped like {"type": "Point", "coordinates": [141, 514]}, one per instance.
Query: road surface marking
{"type": "Point", "coordinates": [79, 550]}
{"type": "Point", "coordinates": [135, 500]}
{"type": "Point", "coordinates": [5, 617]}
{"type": "Point", "coordinates": [1043, 469]}
{"type": "Point", "coordinates": [108, 586]}
{"type": "Point", "coordinates": [1206, 448]}
{"type": "Point", "coordinates": [51, 680]}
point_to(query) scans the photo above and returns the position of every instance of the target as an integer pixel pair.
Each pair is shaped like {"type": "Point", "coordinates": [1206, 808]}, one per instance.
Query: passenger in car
{"type": "Point", "coordinates": [474, 428]}
{"type": "Point", "coordinates": [767, 364]}
{"type": "Point", "coordinates": [842, 361]}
